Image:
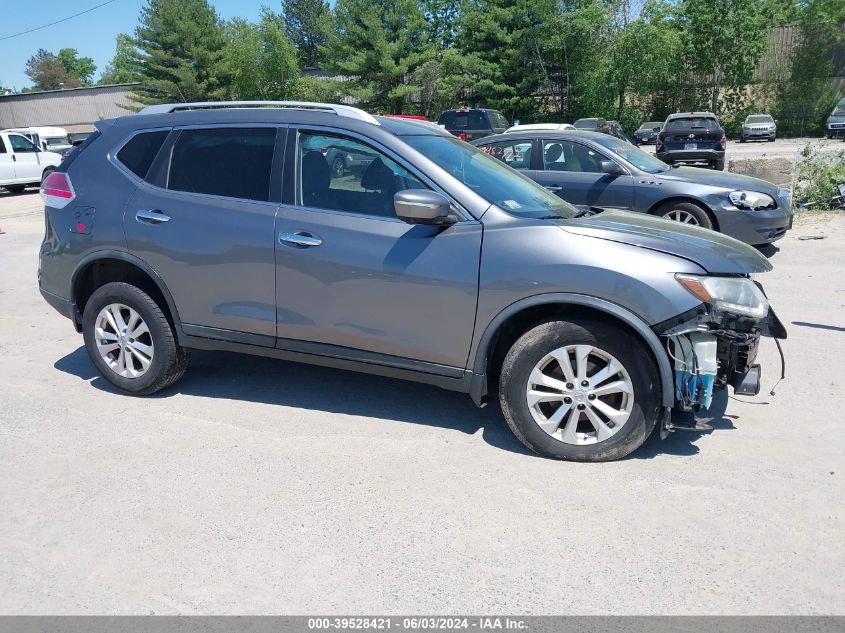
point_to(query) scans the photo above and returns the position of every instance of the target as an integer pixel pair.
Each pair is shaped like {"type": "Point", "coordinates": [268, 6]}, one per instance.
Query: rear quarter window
{"type": "Point", "coordinates": [138, 154]}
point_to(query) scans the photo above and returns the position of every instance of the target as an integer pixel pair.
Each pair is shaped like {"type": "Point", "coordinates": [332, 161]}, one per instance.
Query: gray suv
{"type": "Point", "coordinates": [222, 227]}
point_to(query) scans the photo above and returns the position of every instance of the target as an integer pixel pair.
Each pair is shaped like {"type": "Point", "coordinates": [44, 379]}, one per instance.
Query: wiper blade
{"type": "Point", "coordinates": [582, 213]}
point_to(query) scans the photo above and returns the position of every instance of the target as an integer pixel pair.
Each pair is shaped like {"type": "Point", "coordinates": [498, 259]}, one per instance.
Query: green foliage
{"type": "Point", "coordinates": [261, 61]}
{"type": "Point", "coordinates": [307, 25]}
{"type": "Point", "coordinates": [377, 46]}
{"type": "Point", "coordinates": [724, 40]}
{"type": "Point", "coordinates": [48, 73]}
{"type": "Point", "coordinates": [83, 68]}
{"type": "Point", "coordinates": [122, 68]}
{"type": "Point", "coordinates": [817, 175]}
{"type": "Point", "coordinates": [180, 52]}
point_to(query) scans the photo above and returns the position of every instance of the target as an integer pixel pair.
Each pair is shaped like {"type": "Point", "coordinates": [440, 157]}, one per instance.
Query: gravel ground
{"type": "Point", "coordinates": [260, 486]}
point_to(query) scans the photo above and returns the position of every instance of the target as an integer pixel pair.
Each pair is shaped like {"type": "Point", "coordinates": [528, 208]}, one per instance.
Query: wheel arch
{"type": "Point", "coordinates": [681, 198]}
{"type": "Point", "coordinates": [518, 317]}
{"type": "Point", "coordinates": [102, 267]}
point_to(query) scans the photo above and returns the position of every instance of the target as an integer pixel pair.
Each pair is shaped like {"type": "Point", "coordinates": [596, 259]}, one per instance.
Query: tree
{"type": "Point", "coordinates": [179, 50]}
{"type": "Point", "coordinates": [48, 73]}
{"type": "Point", "coordinates": [121, 69]}
{"type": "Point", "coordinates": [261, 60]}
{"type": "Point", "coordinates": [724, 41]}
{"type": "Point", "coordinates": [83, 68]}
{"type": "Point", "coordinates": [307, 25]}
{"type": "Point", "coordinates": [378, 45]}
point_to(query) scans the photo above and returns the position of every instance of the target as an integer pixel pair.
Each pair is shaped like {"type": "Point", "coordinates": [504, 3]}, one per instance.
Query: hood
{"type": "Point", "coordinates": [714, 252]}
{"type": "Point", "coordinates": [722, 179]}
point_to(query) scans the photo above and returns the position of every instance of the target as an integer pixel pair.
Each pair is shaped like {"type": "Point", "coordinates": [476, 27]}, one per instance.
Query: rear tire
{"type": "Point", "coordinates": [122, 326]}
{"type": "Point", "coordinates": [586, 430]}
{"type": "Point", "coordinates": [685, 213]}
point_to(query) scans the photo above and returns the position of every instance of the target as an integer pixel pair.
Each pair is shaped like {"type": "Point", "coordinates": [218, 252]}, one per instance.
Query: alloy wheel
{"type": "Point", "coordinates": [685, 217]}
{"type": "Point", "coordinates": [124, 340]}
{"type": "Point", "coordinates": [580, 394]}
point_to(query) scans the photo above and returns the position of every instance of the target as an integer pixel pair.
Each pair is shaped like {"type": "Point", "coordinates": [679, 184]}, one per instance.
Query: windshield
{"type": "Point", "coordinates": [490, 178]}
{"type": "Point", "coordinates": [634, 155]}
{"type": "Point", "coordinates": [691, 123]}
{"type": "Point", "coordinates": [583, 124]}
{"type": "Point", "coordinates": [650, 125]}
{"type": "Point", "coordinates": [760, 118]}
{"type": "Point", "coordinates": [838, 111]}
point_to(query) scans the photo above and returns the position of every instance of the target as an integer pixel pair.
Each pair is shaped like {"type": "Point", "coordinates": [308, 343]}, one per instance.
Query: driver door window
{"type": "Point", "coordinates": [21, 145]}
{"type": "Point", "coordinates": [339, 174]}
{"type": "Point", "coordinates": [569, 156]}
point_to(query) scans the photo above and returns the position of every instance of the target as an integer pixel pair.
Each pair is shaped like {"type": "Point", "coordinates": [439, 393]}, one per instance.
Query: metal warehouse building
{"type": "Point", "coordinates": [75, 109]}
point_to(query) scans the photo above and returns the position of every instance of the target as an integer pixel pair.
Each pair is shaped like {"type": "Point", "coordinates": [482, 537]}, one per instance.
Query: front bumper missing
{"type": "Point", "coordinates": [711, 350]}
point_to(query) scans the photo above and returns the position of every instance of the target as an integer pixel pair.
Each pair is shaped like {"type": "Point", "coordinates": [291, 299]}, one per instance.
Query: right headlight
{"type": "Point", "coordinates": [739, 295]}
{"type": "Point", "coordinates": [751, 200]}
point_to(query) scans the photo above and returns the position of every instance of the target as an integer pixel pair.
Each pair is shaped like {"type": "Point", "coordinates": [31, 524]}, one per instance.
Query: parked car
{"type": "Point", "coordinates": [342, 158]}
{"type": "Point", "coordinates": [761, 127]}
{"type": "Point", "coordinates": [224, 229]}
{"type": "Point", "coordinates": [22, 163]}
{"type": "Point", "coordinates": [47, 139]}
{"type": "Point", "coordinates": [472, 123]}
{"type": "Point", "coordinates": [648, 132]}
{"type": "Point", "coordinates": [556, 127]}
{"type": "Point", "coordinates": [596, 170]}
{"type": "Point", "coordinates": [594, 124]}
{"type": "Point", "coordinates": [77, 138]}
{"type": "Point", "coordinates": [692, 138]}
{"type": "Point", "coordinates": [835, 124]}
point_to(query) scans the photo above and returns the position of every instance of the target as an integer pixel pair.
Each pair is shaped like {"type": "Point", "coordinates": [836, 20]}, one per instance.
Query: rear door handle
{"type": "Point", "coordinates": [151, 216]}
{"type": "Point", "coordinates": [554, 188]}
{"type": "Point", "coordinates": [302, 239]}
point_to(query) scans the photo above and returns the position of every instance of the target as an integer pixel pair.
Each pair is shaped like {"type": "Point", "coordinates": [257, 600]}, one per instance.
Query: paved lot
{"type": "Point", "coordinates": [259, 486]}
{"type": "Point", "coordinates": [782, 147]}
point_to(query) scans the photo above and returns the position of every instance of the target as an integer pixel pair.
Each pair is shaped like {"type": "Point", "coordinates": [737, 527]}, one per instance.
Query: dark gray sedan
{"type": "Point", "coordinates": [596, 170]}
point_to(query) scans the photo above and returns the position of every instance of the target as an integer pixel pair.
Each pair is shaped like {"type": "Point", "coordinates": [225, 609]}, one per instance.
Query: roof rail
{"type": "Point", "coordinates": [340, 110]}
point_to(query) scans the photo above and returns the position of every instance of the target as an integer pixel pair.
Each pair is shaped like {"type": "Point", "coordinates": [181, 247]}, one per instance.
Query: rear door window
{"type": "Point", "coordinates": [138, 154]}
{"type": "Point", "coordinates": [516, 154]}
{"type": "Point", "coordinates": [229, 162]}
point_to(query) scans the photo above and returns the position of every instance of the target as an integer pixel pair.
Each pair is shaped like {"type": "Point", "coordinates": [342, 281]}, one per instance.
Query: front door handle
{"type": "Point", "coordinates": [151, 216]}
{"type": "Point", "coordinates": [302, 239]}
{"type": "Point", "coordinates": [554, 188]}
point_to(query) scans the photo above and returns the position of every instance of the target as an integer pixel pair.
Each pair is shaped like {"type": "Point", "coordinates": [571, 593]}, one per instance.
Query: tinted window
{"type": "Point", "coordinates": [690, 123]}
{"type": "Point", "coordinates": [21, 145]}
{"type": "Point", "coordinates": [498, 119]}
{"type": "Point", "coordinates": [466, 120]}
{"type": "Point", "coordinates": [586, 124]}
{"type": "Point", "coordinates": [650, 125]}
{"type": "Point", "coordinates": [340, 174]}
{"type": "Point", "coordinates": [489, 178]}
{"type": "Point", "coordinates": [231, 162]}
{"type": "Point", "coordinates": [516, 154]}
{"type": "Point", "coordinates": [138, 154]}
{"type": "Point", "coordinates": [634, 155]}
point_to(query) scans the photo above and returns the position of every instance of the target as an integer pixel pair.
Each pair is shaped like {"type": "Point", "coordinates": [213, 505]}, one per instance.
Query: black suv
{"type": "Point", "coordinates": [473, 123]}
{"type": "Point", "coordinates": [692, 138]}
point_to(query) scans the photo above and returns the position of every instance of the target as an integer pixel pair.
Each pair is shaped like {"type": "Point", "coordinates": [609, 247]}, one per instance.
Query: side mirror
{"type": "Point", "coordinates": [609, 167]}
{"type": "Point", "coordinates": [421, 206]}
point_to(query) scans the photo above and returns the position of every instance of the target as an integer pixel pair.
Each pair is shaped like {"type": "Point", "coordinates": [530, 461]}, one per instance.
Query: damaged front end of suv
{"type": "Point", "coordinates": [715, 344]}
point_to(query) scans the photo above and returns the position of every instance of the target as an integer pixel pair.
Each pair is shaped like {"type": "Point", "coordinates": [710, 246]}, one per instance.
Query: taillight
{"type": "Point", "coordinates": [723, 142]}
{"type": "Point", "coordinates": [658, 144]}
{"type": "Point", "coordinates": [463, 136]}
{"type": "Point", "coordinates": [57, 190]}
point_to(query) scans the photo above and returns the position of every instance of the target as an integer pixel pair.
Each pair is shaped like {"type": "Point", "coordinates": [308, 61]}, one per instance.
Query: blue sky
{"type": "Point", "coordinates": [92, 34]}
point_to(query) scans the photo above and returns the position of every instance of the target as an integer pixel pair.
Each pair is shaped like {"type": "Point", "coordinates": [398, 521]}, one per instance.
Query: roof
{"type": "Point", "coordinates": [686, 115]}
{"type": "Point", "coordinates": [562, 134]}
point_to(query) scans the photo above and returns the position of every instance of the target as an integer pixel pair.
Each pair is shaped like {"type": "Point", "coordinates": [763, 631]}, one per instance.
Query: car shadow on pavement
{"type": "Point", "coordinates": [276, 382]}
{"type": "Point", "coordinates": [768, 250]}
{"type": "Point", "coordinates": [684, 443]}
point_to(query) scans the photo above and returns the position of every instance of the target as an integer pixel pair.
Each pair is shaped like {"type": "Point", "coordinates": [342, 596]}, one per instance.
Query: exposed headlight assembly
{"type": "Point", "coordinates": [751, 200]}
{"type": "Point", "coordinates": [738, 295]}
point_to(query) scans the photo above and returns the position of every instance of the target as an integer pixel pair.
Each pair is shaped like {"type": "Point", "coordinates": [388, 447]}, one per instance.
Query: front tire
{"type": "Point", "coordinates": [585, 391]}
{"type": "Point", "coordinates": [130, 340]}
{"type": "Point", "coordinates": [685, 213]}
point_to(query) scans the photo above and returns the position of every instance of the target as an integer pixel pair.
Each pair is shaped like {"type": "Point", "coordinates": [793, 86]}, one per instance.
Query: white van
{"type": "Point", "coordinates": [23, 163]}
{"type": "Point", "coordinates": [48, 139]}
